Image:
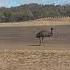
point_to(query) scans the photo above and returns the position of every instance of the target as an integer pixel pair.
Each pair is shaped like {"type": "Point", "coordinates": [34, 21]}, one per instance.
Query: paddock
{"type": "Point", "coordinates": [24, 37]}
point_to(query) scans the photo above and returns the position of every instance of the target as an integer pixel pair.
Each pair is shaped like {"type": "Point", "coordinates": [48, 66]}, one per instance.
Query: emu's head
{"type": "Point", "coordinates": [52, 30]}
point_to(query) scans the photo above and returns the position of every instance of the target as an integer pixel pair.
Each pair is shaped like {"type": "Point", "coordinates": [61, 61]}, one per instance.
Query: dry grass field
{"type": "Point", "coordinates": [39, 22]}
{"type": "Point", "coordinates": [20, 50]}
{"type": "Point", "coordinates": [35, 60]}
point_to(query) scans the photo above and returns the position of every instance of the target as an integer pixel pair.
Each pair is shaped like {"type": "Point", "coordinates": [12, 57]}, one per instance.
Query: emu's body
{"type": "Point", "coordinates": [42, 34]}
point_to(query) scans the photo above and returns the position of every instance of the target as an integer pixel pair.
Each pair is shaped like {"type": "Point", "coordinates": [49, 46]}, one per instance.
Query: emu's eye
{"type": "Point", "coordinates": [51, 28]}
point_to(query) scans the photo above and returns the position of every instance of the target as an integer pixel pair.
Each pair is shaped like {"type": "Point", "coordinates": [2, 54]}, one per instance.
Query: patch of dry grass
{"type": "Point", "coordinates": [39, 22]}
{"type": "Point", "coordinates": [35, 60]}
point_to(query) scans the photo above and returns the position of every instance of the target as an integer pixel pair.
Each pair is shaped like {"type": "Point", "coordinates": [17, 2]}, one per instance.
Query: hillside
{"type": "Point", "coordinates": [32, 11]}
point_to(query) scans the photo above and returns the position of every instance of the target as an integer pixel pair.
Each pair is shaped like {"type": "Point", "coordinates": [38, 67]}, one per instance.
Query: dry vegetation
{"type": "Point", "coordinates": [39, 22]}
{"type": "Point", "coordinates": [35, 60]}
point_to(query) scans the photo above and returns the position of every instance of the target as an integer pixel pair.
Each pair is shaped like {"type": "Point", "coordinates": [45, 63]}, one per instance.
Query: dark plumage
{"type": "Point", "coordinates": [42, 34]}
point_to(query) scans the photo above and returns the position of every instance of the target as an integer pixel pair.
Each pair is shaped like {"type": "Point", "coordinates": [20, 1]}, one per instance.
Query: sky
{"type": "Point", "coordinates": [12, 3]}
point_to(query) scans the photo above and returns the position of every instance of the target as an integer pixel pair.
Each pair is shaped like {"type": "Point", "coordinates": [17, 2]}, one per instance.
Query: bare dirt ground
{"type": "Point", "coordinates": [19, 37]}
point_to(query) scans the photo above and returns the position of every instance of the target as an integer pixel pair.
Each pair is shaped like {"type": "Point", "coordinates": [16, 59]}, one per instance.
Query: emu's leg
{"type": "Point", "coordinates": [40, 41]}
{"type": "Point", "coordinates": [46, 41]}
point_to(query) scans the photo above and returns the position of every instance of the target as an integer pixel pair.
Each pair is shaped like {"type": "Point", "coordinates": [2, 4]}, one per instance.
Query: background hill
{"type": "Point", "coordinates": [32, 11]}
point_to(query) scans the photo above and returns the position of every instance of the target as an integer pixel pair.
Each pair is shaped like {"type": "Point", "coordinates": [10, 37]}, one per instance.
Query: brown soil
{"type": "Point", "coordinates": [21, 37]}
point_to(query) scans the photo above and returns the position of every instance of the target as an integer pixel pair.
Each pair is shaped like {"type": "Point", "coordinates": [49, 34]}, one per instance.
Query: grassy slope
{"type": "Point", "coordinates": [39, 22]}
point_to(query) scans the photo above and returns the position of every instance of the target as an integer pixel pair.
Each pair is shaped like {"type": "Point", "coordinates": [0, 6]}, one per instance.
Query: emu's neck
{"type": "Point", "coordinates": [52, 32]}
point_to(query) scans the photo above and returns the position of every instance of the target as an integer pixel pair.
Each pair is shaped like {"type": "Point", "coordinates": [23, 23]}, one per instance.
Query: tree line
{"type": "Point", "coordinates": [32, 11]}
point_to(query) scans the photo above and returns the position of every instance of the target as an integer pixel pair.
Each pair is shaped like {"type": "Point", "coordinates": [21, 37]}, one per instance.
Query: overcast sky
{"type": "Point", "coordinates": [9, 3]}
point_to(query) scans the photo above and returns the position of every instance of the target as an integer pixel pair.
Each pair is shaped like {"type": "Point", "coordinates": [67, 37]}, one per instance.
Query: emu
{"type": "Point", "coordinates": [42, 34]}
